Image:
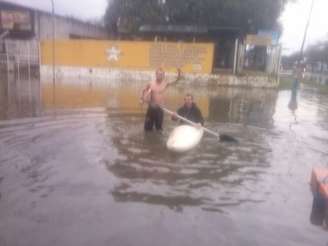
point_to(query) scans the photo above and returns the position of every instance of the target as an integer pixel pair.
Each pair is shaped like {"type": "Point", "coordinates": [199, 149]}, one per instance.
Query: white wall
{"type": "Point", "coordinates": [65, 27]}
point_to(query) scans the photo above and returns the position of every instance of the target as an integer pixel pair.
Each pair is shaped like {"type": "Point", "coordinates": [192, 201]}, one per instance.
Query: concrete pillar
{"type": "Point", "coordinates": [235, 57]}
{"type": "Point", "coordinates": [279, 64]}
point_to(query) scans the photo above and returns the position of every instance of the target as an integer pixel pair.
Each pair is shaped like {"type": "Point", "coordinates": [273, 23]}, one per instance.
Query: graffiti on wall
{"type": "Point", "coordinates": [136, 55]}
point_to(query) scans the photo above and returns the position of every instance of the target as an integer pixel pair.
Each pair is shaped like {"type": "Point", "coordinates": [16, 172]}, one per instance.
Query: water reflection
{"type": "Point", "coordinates": [212, 176]}
{"type": "Point", "coordinates": [19, 98]}
{"type": "Point", "coordinates": [22, 98]}
{"type": "Point", "coordinates": [293, 105]}
{"type": "Point", "coordinates": [318, 211]}
{"type": "Point", "coordinates": [249, 107]}
{"type": "Point", "coordinates": [94, 159]}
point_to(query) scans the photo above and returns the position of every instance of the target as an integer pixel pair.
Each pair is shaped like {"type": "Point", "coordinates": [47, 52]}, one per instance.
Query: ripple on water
{"type": "Point", "coordinates": [29, 150]}
{"type": "Point", "coordinates": [211, 176]}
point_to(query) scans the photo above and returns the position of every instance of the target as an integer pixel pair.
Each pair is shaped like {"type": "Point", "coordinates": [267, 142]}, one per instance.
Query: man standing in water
{"type": "Point", "coordinates": [153, 94]}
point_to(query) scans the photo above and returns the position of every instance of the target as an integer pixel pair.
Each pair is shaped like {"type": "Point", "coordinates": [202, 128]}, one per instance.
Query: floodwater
{"type": "Point", "coordinates": [76, 167]}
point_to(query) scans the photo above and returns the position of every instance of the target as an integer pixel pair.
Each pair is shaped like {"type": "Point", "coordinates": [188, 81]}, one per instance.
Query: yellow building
{"type": "Point", "coordinates": [130, 55]}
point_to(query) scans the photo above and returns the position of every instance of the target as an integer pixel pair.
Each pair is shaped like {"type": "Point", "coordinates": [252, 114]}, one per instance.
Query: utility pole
{"type": "Point", "coordinates": [53, 52]}
{"type": "Point", "coordinates": [299, 70]}
{"type": "Point", "coordinates": [306, 31]}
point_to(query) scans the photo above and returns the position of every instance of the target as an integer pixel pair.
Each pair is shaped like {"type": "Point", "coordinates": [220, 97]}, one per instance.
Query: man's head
{"type": "Point", "coordinates": [160, 75]}
{"type": "Point", "coordinates": [188, 100]}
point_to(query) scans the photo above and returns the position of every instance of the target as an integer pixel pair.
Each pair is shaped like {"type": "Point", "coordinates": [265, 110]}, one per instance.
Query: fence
{"type": "Point", "coordinates": [21, 58]}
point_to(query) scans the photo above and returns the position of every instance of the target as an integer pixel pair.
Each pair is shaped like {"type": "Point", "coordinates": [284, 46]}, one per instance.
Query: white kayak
{"type": "Point", "coordinates": [184, 138]}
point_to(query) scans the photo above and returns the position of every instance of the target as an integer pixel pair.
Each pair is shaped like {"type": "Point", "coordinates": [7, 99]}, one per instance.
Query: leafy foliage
{"type": "Point", "coordinates": [316, 53]}
{"type": "Point", "coordinates": [248, 15]}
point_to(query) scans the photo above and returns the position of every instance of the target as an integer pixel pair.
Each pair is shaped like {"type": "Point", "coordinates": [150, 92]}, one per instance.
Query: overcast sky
{"type": "Point", "coordinates": [293, 19]}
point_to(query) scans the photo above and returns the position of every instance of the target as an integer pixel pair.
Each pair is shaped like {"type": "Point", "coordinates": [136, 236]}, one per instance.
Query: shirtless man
{"type": "Point", "coordinates": [153, 94]}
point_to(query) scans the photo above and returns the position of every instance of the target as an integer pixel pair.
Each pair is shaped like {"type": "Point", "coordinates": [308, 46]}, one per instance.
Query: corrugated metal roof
{"type": "Point", "coordinates": [31, 6]}
{"type": "Point", "coordinates": [43, 6]}
{"type": "Point", "coordinates": [174, 29]}
{"type": "Point", "coordinates": [187, 29]}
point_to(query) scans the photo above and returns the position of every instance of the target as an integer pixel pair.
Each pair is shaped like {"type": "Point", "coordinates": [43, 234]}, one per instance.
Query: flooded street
{"type": "Point", "coordinates": [76, 167]}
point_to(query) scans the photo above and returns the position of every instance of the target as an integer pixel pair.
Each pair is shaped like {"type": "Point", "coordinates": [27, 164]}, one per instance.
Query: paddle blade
{"type": "Point", "coordinates": [227, 138]}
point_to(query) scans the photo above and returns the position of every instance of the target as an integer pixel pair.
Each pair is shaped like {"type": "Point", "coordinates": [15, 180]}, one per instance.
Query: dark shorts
{"type": "Point", "coordinates": [154, 116]}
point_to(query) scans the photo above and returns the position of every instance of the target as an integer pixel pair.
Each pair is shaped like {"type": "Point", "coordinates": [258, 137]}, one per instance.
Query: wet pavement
{"type": "Point", "coordinates": [76, 167]}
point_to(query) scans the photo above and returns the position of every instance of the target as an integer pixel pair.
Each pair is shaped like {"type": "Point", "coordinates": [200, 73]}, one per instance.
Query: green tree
{"type": "Point", "coordinates": [316, 53]}
{"type": "Point", "coordinates": [288, 61]}
{"type": "Point", "coordinates": [249, 15]}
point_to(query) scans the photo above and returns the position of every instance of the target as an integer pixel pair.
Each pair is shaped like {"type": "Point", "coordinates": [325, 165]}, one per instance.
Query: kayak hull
{"type": "Point", "coordinates": [184, 138]}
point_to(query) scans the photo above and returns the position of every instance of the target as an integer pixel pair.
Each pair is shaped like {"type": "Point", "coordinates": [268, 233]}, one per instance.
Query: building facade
{"type": "Point", "coordinates": [20, 22]}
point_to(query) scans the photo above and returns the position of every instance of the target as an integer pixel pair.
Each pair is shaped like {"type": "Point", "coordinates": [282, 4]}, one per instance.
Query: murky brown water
{"type": "Point", "coordinates": [82, 171]}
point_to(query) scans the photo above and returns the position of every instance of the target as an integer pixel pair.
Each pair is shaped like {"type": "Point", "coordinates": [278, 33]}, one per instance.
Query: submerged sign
{"type": "Point", "coordinates": [136, 55]}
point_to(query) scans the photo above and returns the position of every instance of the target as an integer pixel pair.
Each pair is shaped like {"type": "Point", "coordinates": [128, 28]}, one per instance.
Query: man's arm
{"type": "Point", "coordinates": [145, 94]}
{"type": "Point", "coordinates": [179, 76]}
{"type": "Point", "coordinates": [179, 112]}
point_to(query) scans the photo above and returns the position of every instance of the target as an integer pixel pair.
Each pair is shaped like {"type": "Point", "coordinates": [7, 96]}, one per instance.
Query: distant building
{"type": "Point", "coordinates": [235, 52]}
{"type": "Point", "coordinates": [224, 39]}
{"type": "Point", "coordinates": [20, 22]}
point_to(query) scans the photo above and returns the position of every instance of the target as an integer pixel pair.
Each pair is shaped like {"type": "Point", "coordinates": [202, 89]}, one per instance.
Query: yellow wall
{"type": "Point", "coordinates": [136, 55]}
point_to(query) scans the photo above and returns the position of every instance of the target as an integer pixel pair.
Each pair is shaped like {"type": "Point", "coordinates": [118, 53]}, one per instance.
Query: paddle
{"type": "Point", "coordinates": [221, 137]}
